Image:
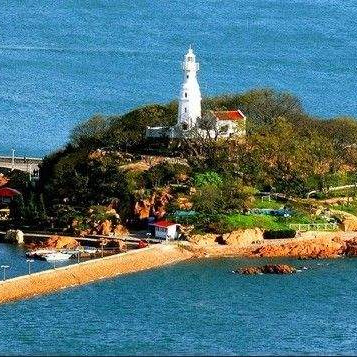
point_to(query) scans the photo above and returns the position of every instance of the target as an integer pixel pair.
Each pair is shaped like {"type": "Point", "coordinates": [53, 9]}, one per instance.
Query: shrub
{"type": "Point", "coordinates": [287, 233]}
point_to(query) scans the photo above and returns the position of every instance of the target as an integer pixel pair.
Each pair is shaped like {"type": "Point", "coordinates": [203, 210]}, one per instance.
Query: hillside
{"type": "Point", "coordinates": [108, 163]}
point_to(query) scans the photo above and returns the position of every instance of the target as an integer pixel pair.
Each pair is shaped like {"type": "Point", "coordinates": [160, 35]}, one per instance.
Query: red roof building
{"type": "Point", "coordinates": [164, 229]}
{"type": "Point", "coordinates": [229, 115]}
{"type": "Point", "coordinates": [162, 223]}
{"type": "Point", "coordinates": [7, 194]}
{"type": "Point", "coordinates": [226, 123]}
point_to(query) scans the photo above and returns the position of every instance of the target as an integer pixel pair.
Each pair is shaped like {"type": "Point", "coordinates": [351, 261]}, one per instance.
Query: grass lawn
{"type": "Point", "coordinates": [268, 222]}
{"type": "Point", "coordinates": [351, 208]}
{"type": "Point", "coordinates": [272, 204]}
{"type": "Point", "coordinates": [254, 221]}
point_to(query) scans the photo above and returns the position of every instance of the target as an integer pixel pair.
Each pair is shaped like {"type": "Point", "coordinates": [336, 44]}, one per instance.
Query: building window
{"type": "Point", "coordinates": [187, 76]}
{"type": "Point", "coordinates": [185, 110]}
{"type": "Point", "coordinates": [185, 95]}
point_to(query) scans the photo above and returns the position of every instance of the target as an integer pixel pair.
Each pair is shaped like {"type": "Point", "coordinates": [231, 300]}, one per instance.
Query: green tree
{"type": "Point", "coordinates": [17, 209]}
{"type": "Point", "coordinates": [208, 178]}
{"type": "Point", "coordinates": [91, 133]}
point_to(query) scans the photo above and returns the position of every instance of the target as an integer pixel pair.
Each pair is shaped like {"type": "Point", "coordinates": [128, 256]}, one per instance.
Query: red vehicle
{"type": "Point", "coordinates": [143, 244]}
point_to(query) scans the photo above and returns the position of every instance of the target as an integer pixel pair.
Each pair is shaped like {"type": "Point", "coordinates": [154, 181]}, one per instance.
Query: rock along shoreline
{"type": "Point", "coordinates": [328, 245]}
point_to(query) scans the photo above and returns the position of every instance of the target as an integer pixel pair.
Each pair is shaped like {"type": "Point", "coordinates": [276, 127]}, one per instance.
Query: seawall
{"type": "Point", "coordinates": [93, 270]}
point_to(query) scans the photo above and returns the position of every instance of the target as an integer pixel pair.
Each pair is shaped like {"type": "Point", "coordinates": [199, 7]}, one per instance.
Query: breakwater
{"type": "Point", "coordinates": [93, 270]}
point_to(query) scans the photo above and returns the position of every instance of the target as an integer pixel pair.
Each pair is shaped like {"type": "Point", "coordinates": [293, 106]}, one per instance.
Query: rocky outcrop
{"type": "Point", "coordinates": [314, 248]}
{"type": "Point", "coordinates": [241, 238]}
{"type": "Point", "coordinates": [3, 180]}
{"type": "Point", "coordinates": [184, 203]}
{"type": "Point", "coordinates": [120, 230]}
{"type": "Point", "coordinates": [106, 228]}
{"type": "Point", "coordinates": [56, 242]}
{"type": "Point", "coordinates": [267, 269]}
{"type": "Point", "coordinates": [14, 236]}
{"type": "Point", "coordinates": [154, 205]}
{"type": "Point", "coordinates": [349, 223]}
{"type": "Point", "coordinates": [204, 239]}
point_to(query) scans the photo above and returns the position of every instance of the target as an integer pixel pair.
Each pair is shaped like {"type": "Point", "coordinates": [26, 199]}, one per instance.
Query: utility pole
{"type": "Point", "coordinates": [29, 170]}
{"type": "Point", "coordinates": [4, 267]}
{"type": "Point", "coordinates": [30, 261]}
{"type": "Point", "coordinates": [13, 160]}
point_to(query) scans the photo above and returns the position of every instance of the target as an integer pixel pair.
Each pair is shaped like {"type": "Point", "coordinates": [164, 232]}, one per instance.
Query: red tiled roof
{"type": "Point", "coordinates": [162, 224]}
{"type": "Point", "coordinates": [8, 192]}
{"type": "Point", "coordinates": [229, 115]}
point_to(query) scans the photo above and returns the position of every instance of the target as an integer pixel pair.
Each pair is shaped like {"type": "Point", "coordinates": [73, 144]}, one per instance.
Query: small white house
{"type": "Point", "coordinates": [164, 229]}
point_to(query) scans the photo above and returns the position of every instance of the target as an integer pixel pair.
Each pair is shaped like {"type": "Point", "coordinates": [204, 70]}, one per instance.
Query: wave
{"type": "Point", "coordinates": [76, 49]}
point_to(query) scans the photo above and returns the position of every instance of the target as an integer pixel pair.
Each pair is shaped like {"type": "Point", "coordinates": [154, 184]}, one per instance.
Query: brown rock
{"type": "Point", "coordinates": [278, 269]}
{"type": "Point", "coordinates": [317, 248]}
{"type": "Point", "coordinates": [249, 270]}
{"type": "Point", "coordinates": [154, 205]}
{"type": "Point", "coordinates": [142, 209]}
{"type": "Point", "coordinates": [184, 203]}
{"type": "Point", "coordinates": [105, 228]}
{"type": "Point", "coordinates": [59, 242]}
{"type": "Point", "coordinates": [268, 269]}
{"type": "Point", "coordinates": [243, 237]}
{"type": "Point", "coordinates": [204, 239]}
{"type": "Point", "coordinates": [3, 180]}
{"type": "Point", "coordinates": [120, 230]}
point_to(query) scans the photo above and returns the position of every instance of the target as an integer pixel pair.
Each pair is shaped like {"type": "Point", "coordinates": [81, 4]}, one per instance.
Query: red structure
{"type": "Point", "coordinates": [7, 194]}
{"type": "Point", "coordinates": [229, 115]}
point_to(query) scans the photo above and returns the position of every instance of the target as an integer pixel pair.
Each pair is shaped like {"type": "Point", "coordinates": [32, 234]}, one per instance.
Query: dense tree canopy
{"type": "Point", "coordinates": [285, 150]}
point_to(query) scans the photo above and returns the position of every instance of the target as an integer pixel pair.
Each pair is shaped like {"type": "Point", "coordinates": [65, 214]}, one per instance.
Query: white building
{"type": "Point", "coordinates": [189, 110]}
{"type": "Point", "coordinates": [224, 124]}
{"type": "Point", "coordinates": [190, 121]}
{"type": "Point", "coordinates": [164, 229]}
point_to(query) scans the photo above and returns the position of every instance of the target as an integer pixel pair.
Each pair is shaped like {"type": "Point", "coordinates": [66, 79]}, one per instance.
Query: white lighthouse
{"type": "Point", "coordinates": [190, 96]}
{"type": "Point", "coordinates": [223, 124]}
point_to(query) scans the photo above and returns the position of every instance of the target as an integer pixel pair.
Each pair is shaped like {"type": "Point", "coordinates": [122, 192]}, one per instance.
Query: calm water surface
{"type": "Point", "coordinates": [15, 257]}
{"type": "Point", "coordinates": [196, 307]}
{"type": "Point", "coordinates": [61, 62]}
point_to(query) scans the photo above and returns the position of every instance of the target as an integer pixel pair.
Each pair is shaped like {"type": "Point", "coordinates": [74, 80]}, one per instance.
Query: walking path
{"type": "Point", "coordinates": [93, 270]}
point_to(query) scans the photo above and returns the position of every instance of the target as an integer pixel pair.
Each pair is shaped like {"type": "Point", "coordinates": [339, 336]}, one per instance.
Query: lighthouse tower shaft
{"type": "Point", "coordinates": [190, 96]}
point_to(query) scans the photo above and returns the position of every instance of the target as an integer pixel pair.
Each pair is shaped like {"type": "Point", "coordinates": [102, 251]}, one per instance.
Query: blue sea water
{"type": "Point", "coordinates": [15, 258]}
{"type": "Point", "coordinates": [63, 61]}
{"type": "Point", "coordinates": [195, 307]}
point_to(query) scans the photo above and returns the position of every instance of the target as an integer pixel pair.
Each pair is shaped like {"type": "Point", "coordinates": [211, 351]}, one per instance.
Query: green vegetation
{"type": "Point", "coordinates": [349, 208]}
{"type": "Point", "coordinates": [251, 221]}
{"type": "Point", "coordinates": [285, 151]}
{"type": "Point", "coordinates": [272, 204]}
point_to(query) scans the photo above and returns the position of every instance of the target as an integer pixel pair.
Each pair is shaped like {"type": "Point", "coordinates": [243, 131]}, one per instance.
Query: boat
{"type": "Point", "coordinates": [57, 256]}
{"type": "Point", "coordinates": [39, 253]}
{"type": "Point", "coordinates": [49, 255]}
